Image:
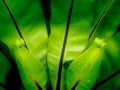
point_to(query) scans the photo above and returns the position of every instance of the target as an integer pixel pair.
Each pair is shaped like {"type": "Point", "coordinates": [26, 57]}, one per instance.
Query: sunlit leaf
{"type": "Point", "coordinates": [43, 25]}
{"type": "Point", "coordinates": [32, 71]}
{"type": "Point", "coordinates": [83, 71]}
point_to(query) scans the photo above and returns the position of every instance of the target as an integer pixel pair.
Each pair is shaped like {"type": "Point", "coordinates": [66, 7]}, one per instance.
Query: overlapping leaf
{"type": "Point", "coordinates": [100, 16]}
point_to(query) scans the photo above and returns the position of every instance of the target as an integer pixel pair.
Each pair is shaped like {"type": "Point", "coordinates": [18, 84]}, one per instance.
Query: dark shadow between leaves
{"type": "Point", "coordinates": [46, 7]}
{"type": "Point", "coordinates": [13, 81]}
{"type": "Point", "coordinates": [105, 80]}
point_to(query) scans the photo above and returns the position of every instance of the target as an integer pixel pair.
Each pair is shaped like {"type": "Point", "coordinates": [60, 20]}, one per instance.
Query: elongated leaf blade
{"type": "Point", "coordinates": [32, 71]}
{"type": "Point", "coordinates": [83, 71]}
{"type": "Point", "coordinates": [100, 18]}
{"type": "Point", "coordinates": [14, 21]}
{"type": "Point", "coordinates": [32, 25]}
{"type": "Point", "coordinates": [76, 39]}
{"type": "Point", "coordinates": [63, 48]}
{"type": "Point", "coordinates": [102, 25]}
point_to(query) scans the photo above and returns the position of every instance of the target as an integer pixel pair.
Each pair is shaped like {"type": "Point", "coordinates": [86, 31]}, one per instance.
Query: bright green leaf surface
{"type": "Point", "coordinates": [45, 52]}
{"type": "Point", "coordinates": [84, 69]}
{"type": "Point", "coordinates": [31, 69]}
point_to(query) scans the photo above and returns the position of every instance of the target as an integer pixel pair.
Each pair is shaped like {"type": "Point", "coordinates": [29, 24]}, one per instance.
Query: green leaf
{"type": "Point", "coordinates": [15, 23]}
{"type": "Point", "coordinates": [31, 25]}
{"type": "Point", "coordinates": [59, 74]}
{"type": "Point", "coordinates": [106, 21]}
{"type": "Point", "coordinates": [32, 71]}
{"type": "Point", "coordinates": [83, 71]}
{"type": "Point", "coordinates": [110, 65]}
{"type": "Point", "coordinates": [106, 79]}
{"type": "Point", "coordinates": [38, 19]}
{"type": "Point", "coordinates": [76, 38]}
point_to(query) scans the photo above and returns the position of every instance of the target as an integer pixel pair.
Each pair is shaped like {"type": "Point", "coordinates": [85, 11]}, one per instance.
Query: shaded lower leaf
{"type": "Point", "coordinates": [3, 86]}
{"type": "Point", "coordinates": [106, 21]}
{"type": "Point", "coordinates": [100, 18]}
{"type": "Point", "coordinates": [117, 30]}
{"type": "Point", "coordinates": [106, 80]}
{"type": "Point", "coordinates": [67, 64]}
{"type": "Point", "coordinates": [13, 80]}
{"type": "Point", "coordinates": [6, 52]}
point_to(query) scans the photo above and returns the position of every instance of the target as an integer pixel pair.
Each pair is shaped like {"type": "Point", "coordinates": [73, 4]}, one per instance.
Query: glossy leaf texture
{"type": "Point", "coordinates": [76, 37]}
{"type": "Point", "coordinates": [83, 20]}
{"type": "Point", "coordinates": [32, 28]}
{"type": "Point", "coordinates": [110, 64]}
{"type": "Point", "coordinates": [83, 71]}
{"type": "Point", "coordinates": [32, 71]}
{"type": "Point", "coordinates": [43, 24]}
